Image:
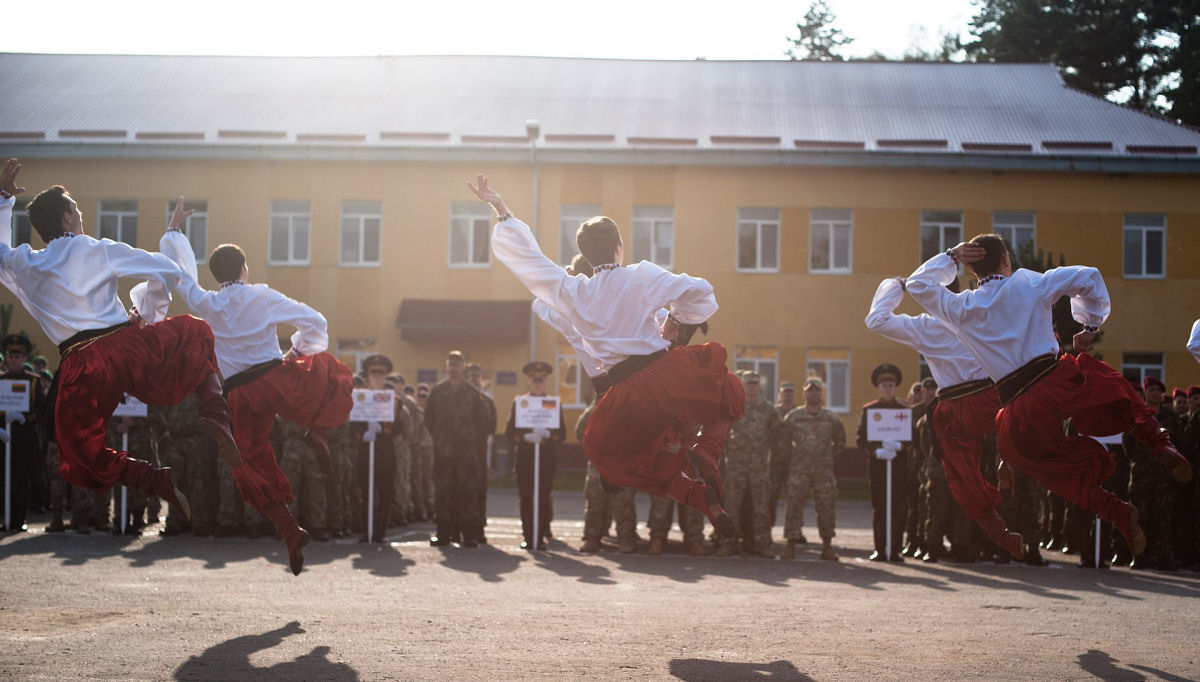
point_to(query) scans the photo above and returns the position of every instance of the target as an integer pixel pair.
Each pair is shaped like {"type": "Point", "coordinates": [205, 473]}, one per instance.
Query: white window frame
{"type": "Point", "coordinates": [359, 213]}
{"type": "Point", "coordinates": [123, 217]}
{"type": "Point", "coordinates": [473, 212]}
{"type": "Point", "coordinates": [768, 387]}
{"type": "Point", "coordinates": [831, 221]}
{"type": "Point", "coordinates": [197, 237]}
{"type": "Point", "coordinates": [929, 221]}
{"type": "Point", "coordinates": [570, 217]}
{"type": "Point", "coordinates": [826, 365]}
{"type": "Point", "coordinates": [652, 218]}
{"type": "Point", "coordinates": [1142, 230]}
{"type": "Point", "coordinates": [289, 209]}
{"type": "Point", "coordinates": [1007, 223]}
{"type": "Point", "coordinates": [20, 222]}
{"type": "Point", "coordinates": [746, 216]}
{"type": "Point", "coordinates": [1144, 369]}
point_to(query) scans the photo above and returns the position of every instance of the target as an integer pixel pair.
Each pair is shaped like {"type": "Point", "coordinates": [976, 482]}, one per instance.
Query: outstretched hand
{"type": "Point", "coordinates": [485, 193]}
{"type": "Point", "coordinates": [8, 177]}
{"type": "Point", "coordinates": [180, 216]}
{"type": "Point", "coordinates": [969, 253]}
{"type": "Point", "coordinates": [1082, 341]}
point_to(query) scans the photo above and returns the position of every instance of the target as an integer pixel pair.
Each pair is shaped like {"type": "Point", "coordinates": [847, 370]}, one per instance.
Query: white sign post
{"type": "Point", "coordinates": [537, 412]}
{"type": "Point", "coordinates": [889, 424]}
{"type": "Point", "coordinates": [14, 397]}
{"type": "Point", "coordinates": [372, 406]}
{"type": "Point", "coordinates": [131, 407]}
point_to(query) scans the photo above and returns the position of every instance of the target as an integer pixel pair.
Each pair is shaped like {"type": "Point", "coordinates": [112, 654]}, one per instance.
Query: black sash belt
{"type": "Point", "coordinates": [250, 374]}
{"type": "Point", "coordinates": [964, 389]}
{"type": "Point", "coordinates": [622, 371]}
{"type": "Point", "coordinates": [1015, 383]}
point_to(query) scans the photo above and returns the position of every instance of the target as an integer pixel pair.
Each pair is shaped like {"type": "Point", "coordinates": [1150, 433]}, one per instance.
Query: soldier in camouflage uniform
{"type": "Point", "coordinates": [781, 449]}
{"type": "Point", "coordinates": [917, 514]}
{"type": "Point", "coordinates": [424, 494]}
{"type": "Point", "coordinates": [817, 437]}
{"type": "Point", "coordinates": [298, 460]}
{"type": "Point", "coordinates": [1152, 489]}
{"type": "Point", "coordinates": [474, 374]}
{"type": "Point", "coordinates": [193, 456]}
{"type": "Point", "coordinates": [747, 468]}
{"type": "Point", "coordinates": [341, 498]}
{"type": "Point", "coordinates": [604, 504]}
{"type": "Point", "coordinates": [401, 434]}
{"type": "Point", "coordinates": [691, 522]}
{"type": "Point", "coordinates": [142, 445]}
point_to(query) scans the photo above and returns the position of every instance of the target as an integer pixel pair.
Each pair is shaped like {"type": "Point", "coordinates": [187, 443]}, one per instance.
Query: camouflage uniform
{"type": "Point", "coordinates": [424, 496]}
{"type": "Point", "coordinates": [422, 507]}
{"type": "Point", "coordinates": [748, 473]}
{"type": "Point", "coordinates": [781, 460]}
{"type": "Point", "coordinates": [916, 515]}
{"type": "Point", "coordinates": [299, 463]}
{"type": "Point", "coordinates": [458, 417]}
{"type": "Point", "coordinates": [402, 431]}
{"type": "Point", "coordinates": [342, 494]}
{"type": "Point", "coordinates": [816, 440]}
{"type": "Point", "coordinates": [603, 503]}
{"type": "Point", "coordinates": [184, 447]}
{"type": "Point", "coordinates": [1152, 491]}
{"type": "Point", "coordinates": [143, 446]}
{"type": "Point", "coordinates": [662, 513]}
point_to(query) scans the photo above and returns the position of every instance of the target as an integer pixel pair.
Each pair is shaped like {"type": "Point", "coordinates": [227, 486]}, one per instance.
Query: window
{"type": "Point", "coordinates": [470, 229]}
{"type": "Point", "coordinates": [829, 238]}
{"type": "Point", "coordinates": [118, 220]}
{"type": "Point", "coordinates": [1137, 366]}
{"type": "Point", "coordinates": [574, 386]}
{"type": "Point", "coordinates": [1145, 245]}
{"type": "Point", "coordinates": [361, 226]}
{"type": "Point", "coordinates": [758, 240]}
{"type": "Point", "coordinates": [1018, 230]}
{"type": "Point", "coordinates": [570, 217]}
{"type": "Point", "coordinates": [833, 368]}
{"type": "Point", "coordinates": [654, 235]}
{"type": "Point", "coordinates": [22, 229]}
{"type": "Point", "coordinates": [291, 223]}
{"type": "Point", "coordinates": [940, 230]}
{"type": "Point", "coordinates": [765, 361]}
{"type": "Point", "coordinates": [195, 227]}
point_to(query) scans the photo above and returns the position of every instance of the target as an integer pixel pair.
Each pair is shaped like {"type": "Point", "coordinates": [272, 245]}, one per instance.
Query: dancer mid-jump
{"type": "Point", "coordinates": [658, 412]}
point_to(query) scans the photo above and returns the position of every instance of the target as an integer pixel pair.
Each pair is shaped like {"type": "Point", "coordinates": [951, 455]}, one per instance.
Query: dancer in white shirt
{"type": "Point", "coordinates": [1006, 323]}
{"type": "Point", "coordinates": [963, 412]}
{"type": "Point", "coordinates": [643, 432]}
{"type": "Point", "coordinates": [1194, 341]}
{"type": "Point", "coordinates": [70, 288]}
{"type": "Point", "coordinates": [306, 386]}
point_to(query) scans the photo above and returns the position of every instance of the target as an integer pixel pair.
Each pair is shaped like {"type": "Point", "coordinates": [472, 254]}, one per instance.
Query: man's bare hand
{"type": "Point", "coordinates": [1082, 341]}
{"type": "Point", "coordinates": [485, 193]}
{"type": "Point", "coordinates": [8, 177]}
{"type": "Point", "coordinates": [903, 283]}
{"type": "Point", "coordinates": [180, 216]}
{"type": "Point", "coordinates": [969, 253]}
{"type": "Point", "coordinates": [670, 328]}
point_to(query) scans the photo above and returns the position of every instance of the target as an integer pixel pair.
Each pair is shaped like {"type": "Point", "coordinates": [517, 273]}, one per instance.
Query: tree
{"type": "Point", "coordinates": [819, 39]}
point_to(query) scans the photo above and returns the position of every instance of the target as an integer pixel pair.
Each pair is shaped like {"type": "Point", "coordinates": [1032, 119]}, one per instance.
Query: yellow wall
{"type": "Point", "coordinates": [1077, 214]}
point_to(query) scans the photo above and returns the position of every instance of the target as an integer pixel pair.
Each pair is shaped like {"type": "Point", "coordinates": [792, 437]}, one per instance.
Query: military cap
{"type": "Point", "coordinates": [378, 360]}
{"type": "Point", "coordinates": [422, 387]}
{"type": "Point", "coordinates": [813, 382]}
{"type": "Point", "coordinates": [474, 368]}
{"type": "Point", "coordinates": [787, 386]}
{"type": "Point", "coordinates": [1194, 389]}
{"type": "Point", "coordinates": [886, 371]}
{"type": "Point", "coordinates": [1153, 381]}
{"type": "Point", "coordinates": [1178, 392]}
{"type": "Point", "coordinates": [751, 378]}
{"type": "Point", "coordinates": [397, 379]}
{"type": "Point", "coordinates": [16, 340]}
{"type": "Point", "coordinates": [456, 356]}
{"type": "Point", "coordinates": [537, 368]}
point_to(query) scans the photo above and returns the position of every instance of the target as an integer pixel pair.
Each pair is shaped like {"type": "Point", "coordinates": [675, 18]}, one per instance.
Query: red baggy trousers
{"type": "Point", "coordinates": [960, 425]}
{"type": "Point", "coordinates": [312, 391]}
{"type": "Point", "coordinates": [159, 364]}
{"type": "Point", "coordinates": [641, 430]}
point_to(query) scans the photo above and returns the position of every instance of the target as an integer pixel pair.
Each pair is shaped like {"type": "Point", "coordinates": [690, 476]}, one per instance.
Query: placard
{"type": "Point", "coordinates": [373, 406]}
{"type": "Point", "coordinates": [132, 407]}
{"type": "Point", "coordinates": [506, 378]}
{"type": "Point", "coordinates": [14, 395]}
{"type": "Point", "coordinates": [537, 412]}
{"type": "Point", "coordinates": [889, 424]}
{"type": "Point", "coordinates": [1115, 439]}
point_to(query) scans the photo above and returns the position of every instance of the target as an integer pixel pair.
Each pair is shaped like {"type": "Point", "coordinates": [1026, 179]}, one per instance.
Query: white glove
{"type": "Point", "coordinates": [533, 437]}
{"type": "Point", "coordinates": [885, 454]}
{"type": "Point", "coordinates": [543, 433]}
{"type": "Point", "coordinates": [3, 436]}
{"type": "Point", "coordinates": [893, 444]}
{"type": "Point", "coordinates": [374, 427]}
{"type": "Point", "coordinates": [16, 418]}
{"type": "Point", "coordinates": [369, 436]}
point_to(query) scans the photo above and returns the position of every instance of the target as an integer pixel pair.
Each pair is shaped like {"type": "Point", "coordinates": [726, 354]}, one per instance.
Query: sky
{"type": "Point", "coordinates": [625, 29]}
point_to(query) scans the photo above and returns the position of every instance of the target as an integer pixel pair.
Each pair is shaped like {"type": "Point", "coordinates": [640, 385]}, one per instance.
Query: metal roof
{"type": "Point", "coordinates": [171, 103]}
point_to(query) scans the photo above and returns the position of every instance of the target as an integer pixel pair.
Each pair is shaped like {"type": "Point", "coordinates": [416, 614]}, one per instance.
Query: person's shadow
{"type": "Point", "coordinates": [698, 670]}
{"type": "Point", "coordinates": [230, 660]}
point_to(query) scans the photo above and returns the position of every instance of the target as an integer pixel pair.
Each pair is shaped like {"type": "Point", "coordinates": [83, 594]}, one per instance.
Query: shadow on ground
{"type": "Point", "coordinates": [699, 670]}
{"type": "Point", "coordinates": [1103, 666]}
{"type": "Point", "coordinates": [230, 660]}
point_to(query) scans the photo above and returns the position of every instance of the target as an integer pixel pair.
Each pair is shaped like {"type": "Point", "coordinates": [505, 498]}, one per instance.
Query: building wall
{"type": "Point", "coordinates": [792, 313]}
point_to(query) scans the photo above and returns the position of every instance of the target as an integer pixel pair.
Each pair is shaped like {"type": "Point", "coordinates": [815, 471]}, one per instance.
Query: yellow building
{"type": "Point", "coordinates": [793, 187]}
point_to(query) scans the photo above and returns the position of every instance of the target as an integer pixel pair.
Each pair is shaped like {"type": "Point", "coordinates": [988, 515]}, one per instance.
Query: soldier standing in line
{"type": "Point", "coordinates": [1192, 435]}
{"type": "Point", "coordinates": [885, 377]}
{"type": "Point", "coordinates": [141, 445]}
{"type": "Point", "coordinates": [458, 418]}
{"type": "Point", "coordinates": [23, 432]}
{"type": "Point", "coordinates": [781, 449]}
{"type": "Point", "coordinates": [402, 429]}
{"type": "Point", "coordinates": [917, 515]}
{"type": "Point", "coordinates": [748, 471]}
{"type": "Point", "coordinates": [474, 374]}
{"type": "Point", "coordinates": [424, 464]}
{"type": "Point", "coordinates": [299, 463]}
{"type": "Point", "coordinates": [59, 490]}
{"type": "Point", "coordinates": [1182, 531]}
{"type": "Point", "coordinates": [1152, 489]}
{"type": "Point", "coordinates": [184, 447]}
{"type": "Point", "coordinates": [376, 368]}
{"type": "Point", "coordinates": [817, 437]}
{"type": "Point", "coordinates": [604, 503]}
{"type": "Point", "coordinates": [340, 483]}
{"type": "Point", "coordinates": [523, 441]}
{"type": "Point", "coordinates": [416, 417]}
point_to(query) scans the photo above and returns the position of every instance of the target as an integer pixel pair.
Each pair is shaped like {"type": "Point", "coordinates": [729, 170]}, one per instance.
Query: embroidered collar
{"type": "Point", "coordinates": [231, 283]}
{"type": "Point", "coordinates": [64, 234]}
{"type": "Point", "coordinates": [605, 266]}
{"type": "Point", "coordinates": [990, 278]}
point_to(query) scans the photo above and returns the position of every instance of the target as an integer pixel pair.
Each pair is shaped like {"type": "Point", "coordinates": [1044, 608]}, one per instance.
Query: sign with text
{"type": "Point", "coordinates": [132, 407]}
{"type": "Point", "coordinates": [373, 406]}
{"type": "Point", "coordinates": [14, 395]}
{"type": "Point", "coordinates": [889, 424]}
{"type": "Point", "coordinates": [537, 412]}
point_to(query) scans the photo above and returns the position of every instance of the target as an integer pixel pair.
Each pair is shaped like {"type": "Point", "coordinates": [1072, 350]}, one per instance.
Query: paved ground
{"type": "Point", "coordinates": [101, 607]}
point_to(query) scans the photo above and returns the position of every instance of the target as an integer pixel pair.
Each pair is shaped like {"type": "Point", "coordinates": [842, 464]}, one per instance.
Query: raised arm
{"type": "Point", "coordinates": [1085, 286]}
{"type": "Point", "coordinates": [1194, 342]}
{"type": "Point", "coordinates": [312, 331]}
{"type": "Point", "coordinates": [689, 299]}
{"type": "Point", "coordinates": [8, 192]}
{"type": "Point", "coordinates": [927, 286]}
{"type": "Point", "coordinates": [151, 298]}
